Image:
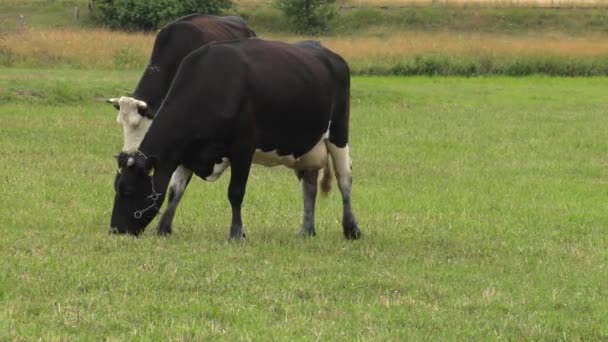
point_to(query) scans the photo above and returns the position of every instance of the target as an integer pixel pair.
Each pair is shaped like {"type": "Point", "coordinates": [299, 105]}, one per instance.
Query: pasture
{"type": "Point", "coordinates": [482, 201]}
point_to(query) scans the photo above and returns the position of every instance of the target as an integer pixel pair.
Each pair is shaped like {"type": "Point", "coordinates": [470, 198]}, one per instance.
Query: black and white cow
{"type": "Point", "coordinates": [172, 43]}
{"type": "Point", "coordinates": [237, 103]}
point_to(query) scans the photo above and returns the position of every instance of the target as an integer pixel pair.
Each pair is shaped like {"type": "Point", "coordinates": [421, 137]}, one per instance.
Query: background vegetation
{"type": "Point", "coordinates": [377, 40]}
{"type": "Point", "coordinates": [147, 15]}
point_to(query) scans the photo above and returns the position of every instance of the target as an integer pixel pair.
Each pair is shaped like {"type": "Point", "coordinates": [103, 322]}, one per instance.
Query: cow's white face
{"type": "Point", "coordinates": [134, 124]}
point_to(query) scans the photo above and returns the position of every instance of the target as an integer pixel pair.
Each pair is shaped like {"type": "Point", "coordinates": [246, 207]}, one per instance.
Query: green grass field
{"type": "Point", "coordinates": [482, 200]}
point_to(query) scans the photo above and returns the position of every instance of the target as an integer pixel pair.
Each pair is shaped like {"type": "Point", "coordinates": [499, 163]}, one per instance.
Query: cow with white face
{"type": "Point", "coordinates": [135, 120]}
{"type": "Point", "coordinates": [172, 44]}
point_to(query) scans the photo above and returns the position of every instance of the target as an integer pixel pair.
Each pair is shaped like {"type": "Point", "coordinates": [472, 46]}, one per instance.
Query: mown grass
{"type": "Point", "coordinates": [43, 13]}
{"type": "Point", "coordinates": [482, 202]}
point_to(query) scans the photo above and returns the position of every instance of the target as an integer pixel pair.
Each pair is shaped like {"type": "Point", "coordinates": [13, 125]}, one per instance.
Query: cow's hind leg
{"type": "Point", "coordinates": [343, 168]}
{"type": "Point", "coordinates": [179, 181]}
{"type": "Point", "coordinates": [308, 179]}
{"type": "Point", "coordinates": [240, 166]}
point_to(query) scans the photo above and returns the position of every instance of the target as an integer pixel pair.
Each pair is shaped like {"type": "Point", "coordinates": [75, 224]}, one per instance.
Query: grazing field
{"type": "Point", "coordinates": [483, 203]}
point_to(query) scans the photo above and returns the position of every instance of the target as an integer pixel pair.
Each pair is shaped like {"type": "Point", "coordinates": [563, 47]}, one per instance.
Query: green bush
{"type": "Point", "coordinates": [308, 16]}
{"type": "Point", "coordinates": [7, 58]}
{"type": "Point", "coordinates": [149, 14]}
{"type": "Point", "coordinates": [6, 54]}
{"type": "Point", "coordinates": [264, 19]}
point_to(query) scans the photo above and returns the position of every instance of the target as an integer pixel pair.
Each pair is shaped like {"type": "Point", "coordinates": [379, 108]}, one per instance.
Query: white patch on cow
{"type": "Point", "coordinates": [134, 125]}
{"type": "Point", "coordinates": [342, 163]}
{"type": "Point", "coordinates": [272, 158]}
{"type": "Point", "coordinates": [314, 159]}
{"type": "Point", "coordinates": [179, 179]}
{"type": "Point", "coordinates": [218, 169]}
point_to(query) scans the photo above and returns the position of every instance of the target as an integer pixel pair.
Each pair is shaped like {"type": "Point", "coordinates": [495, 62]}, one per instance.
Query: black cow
{"type": "Point", "coordinates": [234, 103]}
{"type": "Point", "coordinates": [173, 42]}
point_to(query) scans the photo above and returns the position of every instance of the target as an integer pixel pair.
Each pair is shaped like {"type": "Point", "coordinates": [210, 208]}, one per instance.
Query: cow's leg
{"type": "Point", "coordinates": [308, 179]}
{"type": "Point", "coordinates": [239, 172]}
{"type": "Point", "coordinates": [343, 168]}
{"type": "Point", "coordinates": [179, 181]}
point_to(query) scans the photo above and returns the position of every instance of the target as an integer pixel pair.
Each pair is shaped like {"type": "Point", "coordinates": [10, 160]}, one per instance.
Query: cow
{"type": "Point", "coordinates": [237, 103]}
{"type": "Point", "coordinates": [172, 43]}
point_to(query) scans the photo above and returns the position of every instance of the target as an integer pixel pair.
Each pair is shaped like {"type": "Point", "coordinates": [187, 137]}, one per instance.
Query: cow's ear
{"type": "Point", "coordinates": [143, 110]}
{"type": "Point", "coordinates": [114, 102]}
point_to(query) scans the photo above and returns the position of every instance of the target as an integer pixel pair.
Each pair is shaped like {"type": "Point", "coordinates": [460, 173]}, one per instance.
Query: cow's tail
{"type": "Point", "coordinates": [326, 177]}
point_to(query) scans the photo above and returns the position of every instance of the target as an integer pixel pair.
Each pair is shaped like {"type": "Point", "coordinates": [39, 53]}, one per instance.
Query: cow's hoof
{"type": "Point", "coordinates": [237, 238]}
{"type": "Point", "coordinates": [352, 231]}
{"type": "Point", "coordinates": [307, 232]}
{"type": "Point", "coordinates": [237, 234]}
{"type": "Point", "coordinates": [163, 230]}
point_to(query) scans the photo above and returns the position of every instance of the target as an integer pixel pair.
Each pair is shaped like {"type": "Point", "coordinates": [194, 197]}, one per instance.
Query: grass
{"type": "Point", "coordinates": [43, 13]}
{"type": "Point", "coordinates": [397, 3]}
{"type": "Point", "coordinates": [432, 40]}
{"type": "Point", "coordinates": [482, 202]}
{"type": "Point", "coordinates": [405, 53]}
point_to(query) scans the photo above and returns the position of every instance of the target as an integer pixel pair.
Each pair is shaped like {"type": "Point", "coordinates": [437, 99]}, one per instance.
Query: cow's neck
{"type": "Point", "coordinates": [164, 142]}
{"type": "Point", "coordinates": [152, 87]}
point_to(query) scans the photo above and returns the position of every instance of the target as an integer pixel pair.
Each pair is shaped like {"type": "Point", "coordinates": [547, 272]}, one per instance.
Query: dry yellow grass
{"type": "Point", "coordinates": [102, 49]}
{"type": "Point", "coordinates": [414, 43]}
{"type": "Point", "coordinates": [90, 48]}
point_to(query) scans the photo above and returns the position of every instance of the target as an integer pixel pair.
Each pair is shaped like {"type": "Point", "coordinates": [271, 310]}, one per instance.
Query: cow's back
{"type": "Point", "coordinates": [290, 89]}
{"type": "Point", "coordinates": [221, 28]}
{"type": "Point", "coordinates": [174, 42]}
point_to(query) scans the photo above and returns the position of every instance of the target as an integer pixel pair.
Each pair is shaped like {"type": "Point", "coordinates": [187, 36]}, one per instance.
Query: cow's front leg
{"type": "Point", "coordinates": [239, 172]}
{"type": "Point", "coordinates": [309, 191]}
{"type": "Point", "coordinates": [179, 181]}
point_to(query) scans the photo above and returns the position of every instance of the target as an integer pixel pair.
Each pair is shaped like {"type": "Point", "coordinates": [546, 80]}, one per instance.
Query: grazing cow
{"type": "Point", "coordinates": [173, 42]}
{"type": "Point", "coordinates": [237, 103]}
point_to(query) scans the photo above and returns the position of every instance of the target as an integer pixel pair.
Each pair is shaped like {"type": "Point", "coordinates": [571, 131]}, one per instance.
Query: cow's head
{"type": "Point", "coordinates": [136, 201]}
{"type": "Point", "coordinates": [135, 118]}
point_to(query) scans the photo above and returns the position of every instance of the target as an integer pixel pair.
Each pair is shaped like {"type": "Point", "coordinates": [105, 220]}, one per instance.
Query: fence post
{"type": "Point", "coordinates": [21, 23]}
{"type": "Point", "coordinates": [76, 13]}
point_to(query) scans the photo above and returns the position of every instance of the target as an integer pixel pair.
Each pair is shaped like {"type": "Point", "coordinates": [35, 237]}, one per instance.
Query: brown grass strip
{"type": "Point", "coordinates": [100, 48]}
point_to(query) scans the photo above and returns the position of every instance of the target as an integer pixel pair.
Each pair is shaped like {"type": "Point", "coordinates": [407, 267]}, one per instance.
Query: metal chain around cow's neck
{"type": "Point", "coordinates": [154, 197]}
{"type": "Point", "coordinates": [141, 154]}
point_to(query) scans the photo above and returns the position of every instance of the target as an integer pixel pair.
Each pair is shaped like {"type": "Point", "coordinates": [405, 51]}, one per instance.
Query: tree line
{"type": "Point", "coordinates": [305, 16]}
